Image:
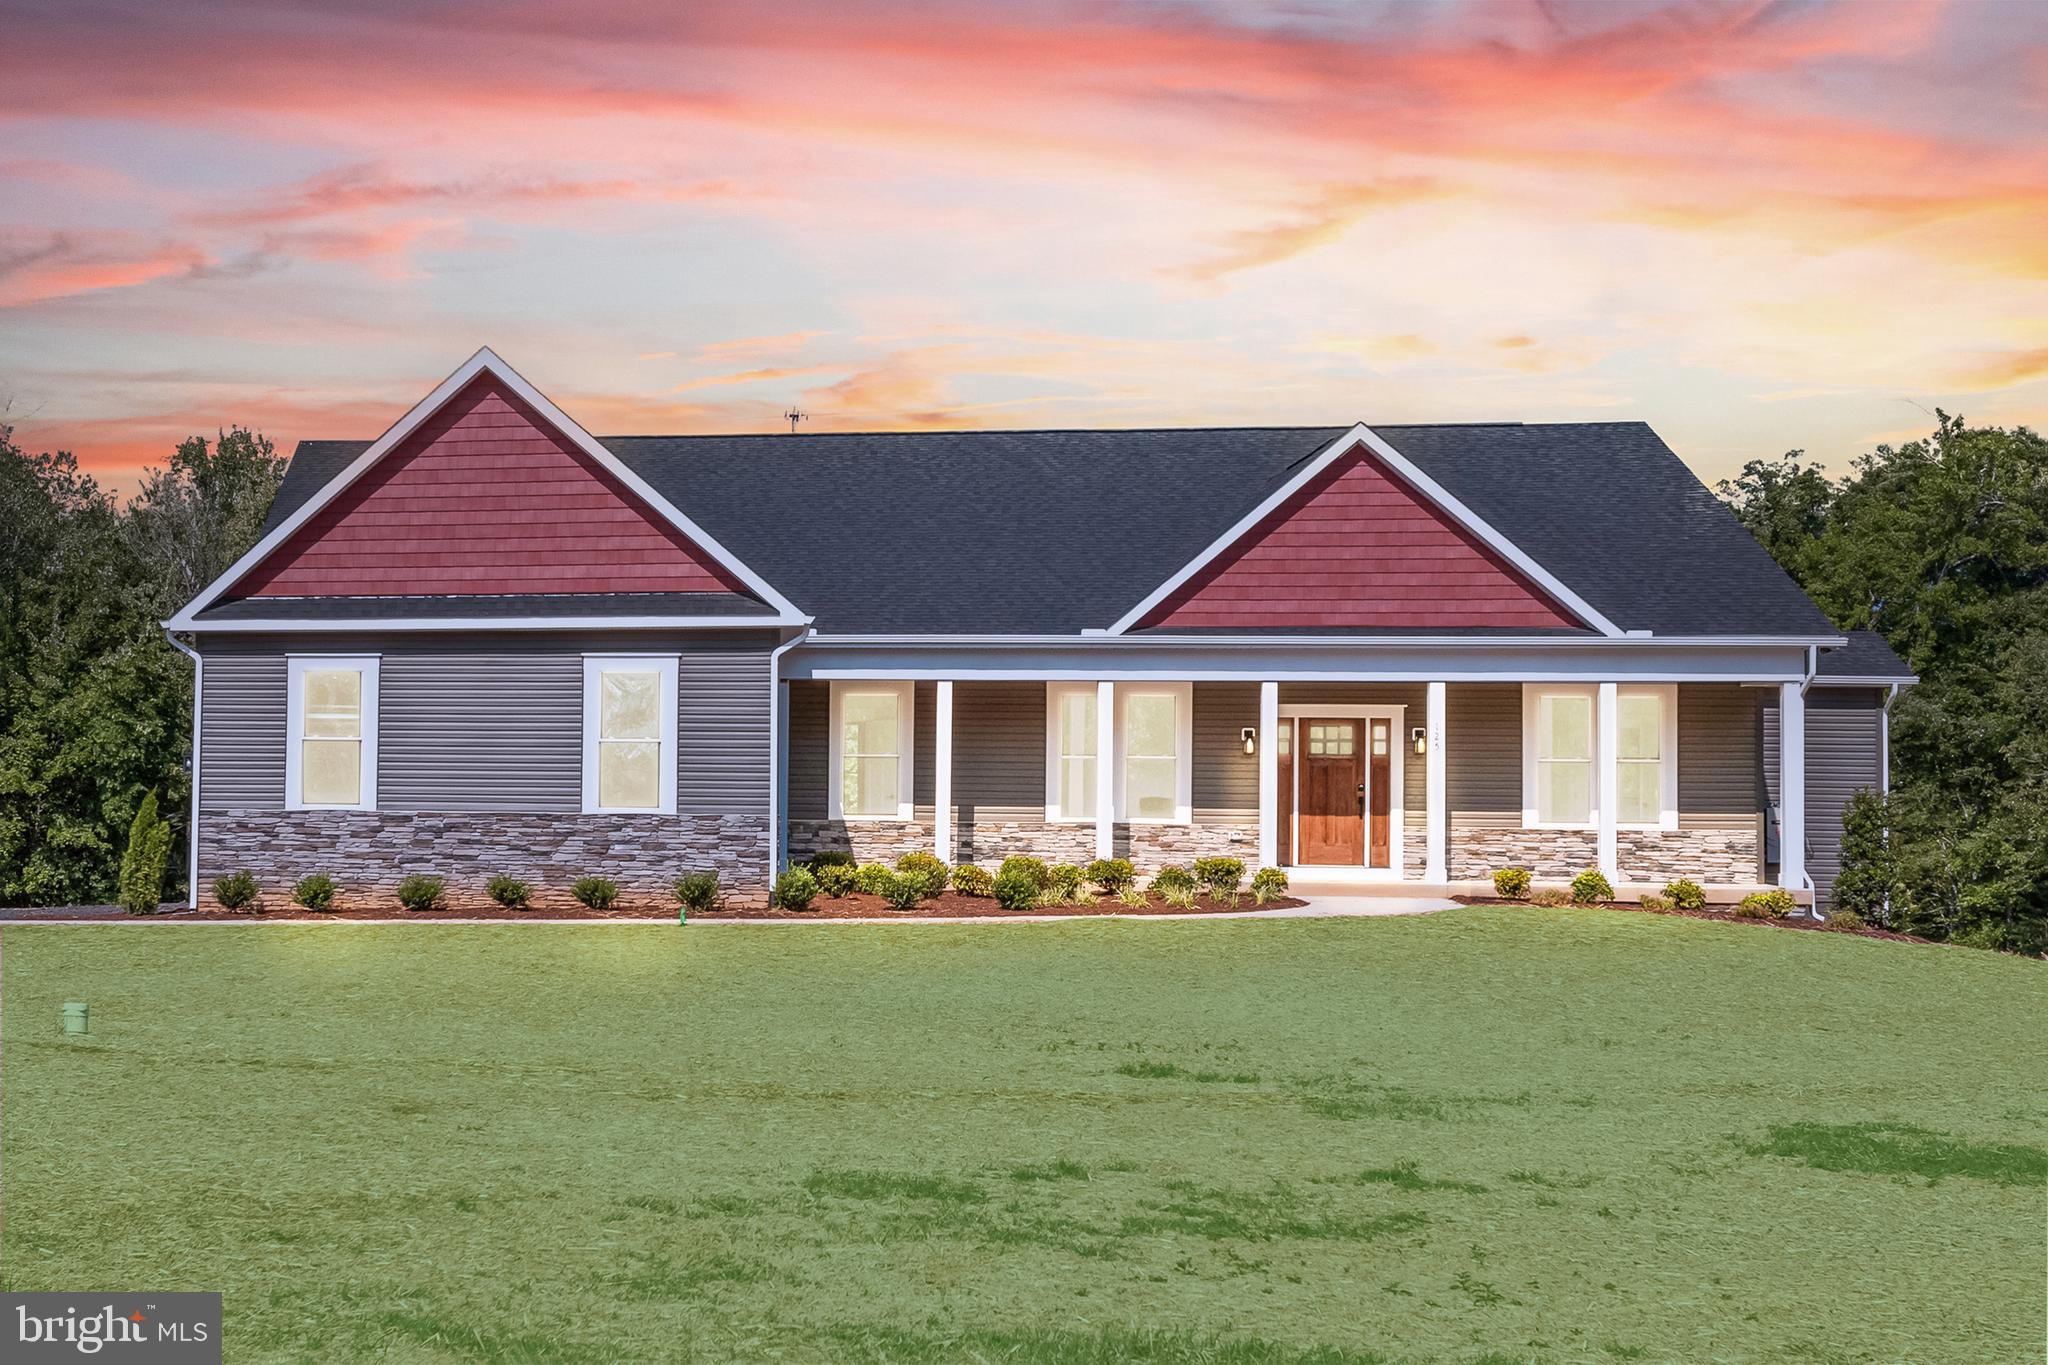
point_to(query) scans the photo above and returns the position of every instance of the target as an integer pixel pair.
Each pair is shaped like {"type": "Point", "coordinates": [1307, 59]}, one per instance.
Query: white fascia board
{"type": "Point", "coordinates": [524, 623]}
{"type": "Point", "coordinates": [1906, 680]}
{"type": "Point", "coordinates": [1099, 639]}
{"type": "Point", "coordinates": [1429, 488]}
{"type": "Point", "coordinates": [485, 360]}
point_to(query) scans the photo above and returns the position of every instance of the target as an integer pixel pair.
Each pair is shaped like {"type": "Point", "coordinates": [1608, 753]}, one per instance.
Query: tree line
{"type": "Point", "coordinates": [1940, 545]}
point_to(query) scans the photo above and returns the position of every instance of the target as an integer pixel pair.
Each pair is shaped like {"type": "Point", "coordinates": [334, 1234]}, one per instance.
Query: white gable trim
{"type": "Point", "coordinates": [487, 360]}
{"type": "Point", "coordinates": [1405, 469]}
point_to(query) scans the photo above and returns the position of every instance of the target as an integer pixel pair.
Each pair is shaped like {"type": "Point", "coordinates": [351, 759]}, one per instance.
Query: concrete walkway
{"type": "Point", "coordinates": [1318, 907]}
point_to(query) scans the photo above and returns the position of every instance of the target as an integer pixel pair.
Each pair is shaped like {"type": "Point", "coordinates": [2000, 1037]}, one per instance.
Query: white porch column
{"type": "Point", "coordinates": [1436, 859]}
{"type": "Point", "coordinates": [942, 773]}
{"type": "Point", "coordinates": [1607, 775]}
{"type": "Point", "coordinates": [1105, 769]}
{"type": "Point", "coordinates": [1269, 774]}
{"type": "Point", "coordinates": [1791, 787]}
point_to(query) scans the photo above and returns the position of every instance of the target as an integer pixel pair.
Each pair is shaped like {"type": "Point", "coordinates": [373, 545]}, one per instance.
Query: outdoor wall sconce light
{"type": "Point", "coordinates": [1419, 737]}
{"type": "Point", "coordinates": [1250, 736]}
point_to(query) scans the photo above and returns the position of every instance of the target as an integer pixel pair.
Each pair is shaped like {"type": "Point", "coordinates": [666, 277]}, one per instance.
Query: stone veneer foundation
{"type": "Point", "coordinates": [1729, 856]}
{"type": "Point", "coordinates": [368, 852]}
{"type": "Point", "coordinates": [1150, 847]}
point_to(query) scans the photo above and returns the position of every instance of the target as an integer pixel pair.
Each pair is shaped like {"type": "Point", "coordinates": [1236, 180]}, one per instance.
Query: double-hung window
{"type": "Point", "coordinates": [1070, 744]}
{"type": "Point", "coordinates": [871, 750]}
{"type": "Point", "coordinates": [1561, 757]}
{"type": "Point", "coordinates": [629, 733]}
{"type": "Point", "coordinates": [331, 751]}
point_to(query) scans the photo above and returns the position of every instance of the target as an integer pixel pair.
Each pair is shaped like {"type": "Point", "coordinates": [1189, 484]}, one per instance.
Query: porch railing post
{"type": "Point", "coordinates": [1269, 774]}
{"type": "Point", "coordinates": [1437, 861]}
{"type": "Point", "coordinates": [942, 772]}
{"type": "Point", "coordinates": [1105, 769]}
{"type": "Point", "coordinates": [1607, 770]}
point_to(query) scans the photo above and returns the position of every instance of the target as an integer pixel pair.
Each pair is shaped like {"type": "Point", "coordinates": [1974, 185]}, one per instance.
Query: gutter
{"type": "Point", "coordinates": [1272, 642]}
{"type": "Point", "coordinates": [777, 834]}
{"type": "Point", "coordinates": [198, 712]}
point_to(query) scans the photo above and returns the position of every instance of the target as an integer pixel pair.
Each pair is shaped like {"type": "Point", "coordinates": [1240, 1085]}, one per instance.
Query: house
{"type": "Point", "coordinates": [490, 642]}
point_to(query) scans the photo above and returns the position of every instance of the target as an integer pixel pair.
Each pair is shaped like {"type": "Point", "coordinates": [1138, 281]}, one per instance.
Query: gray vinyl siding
{"type": "Point", "coordinates": [1719, 784]}
{"type": "Point", "coordinates": [242, 724]}
{"type": "Point", "coordinates": [1226, 778]}
{"type": "Point", "coordinates": [1483, 755]}
{"type": "Point", "coordinates": [1844, 743]}
{"type": "Point", "coordinates": [810, 759]}
{"type": "Point", "coordinates": [999, 751]}
{"type": "Point", "coordinates": [489, 721]}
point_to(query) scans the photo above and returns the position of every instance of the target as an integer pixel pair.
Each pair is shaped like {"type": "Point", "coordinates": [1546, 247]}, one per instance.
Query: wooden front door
{"type": "Point", "coordinates": [1330, 757]}
{"type": "Point", "coordinates": [1380, 762]}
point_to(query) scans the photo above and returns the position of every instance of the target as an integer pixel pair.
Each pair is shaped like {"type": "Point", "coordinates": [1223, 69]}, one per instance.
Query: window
{"type": "Point", "coordinates": [331, 752]}
{"type": "Point", "coordinates": [1332, 741]}
{"type": "Point", "coordinates": [1561, 752]}
{"type": "Point", "coordinates": [1157, 734]}
{"type": "Point", "coordinates": [871, 749]}
{"type": "Point", "coordinates": [1564, 758]}
{"type": "Point", "coordinates": [1070, 733]}
{"type": "Point", "coordinates": [629, 733]}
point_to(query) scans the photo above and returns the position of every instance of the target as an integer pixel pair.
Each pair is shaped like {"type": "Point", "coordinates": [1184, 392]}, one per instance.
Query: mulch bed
{"type": "Point", "coordinates": [1725, 916]}
{"type": "Point", "coordinates": [953, 905]}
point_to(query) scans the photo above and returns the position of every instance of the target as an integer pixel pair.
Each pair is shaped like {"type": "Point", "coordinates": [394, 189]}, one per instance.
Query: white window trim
{"type": "Point", "coordinates": [296, 668]}
{"type": "Point", "coordinates": [1184, 748]}
{"type": "Point", "coordinates": [1667, 695]}
{"type": "Point", "coordinates": [594, 667]}
{"type": "Point", "coordinates": [1055, 694]}
{"type": "Point", "coordinates": [905, 693]}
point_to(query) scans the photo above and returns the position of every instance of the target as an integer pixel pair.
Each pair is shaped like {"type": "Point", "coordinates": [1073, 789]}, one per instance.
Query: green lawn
{"type": "Point", "coordinates": [1486, 1135]}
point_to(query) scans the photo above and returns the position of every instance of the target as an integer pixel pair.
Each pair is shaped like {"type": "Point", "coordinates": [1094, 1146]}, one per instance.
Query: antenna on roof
{"type": "Point", "coordinates": [794, 417]}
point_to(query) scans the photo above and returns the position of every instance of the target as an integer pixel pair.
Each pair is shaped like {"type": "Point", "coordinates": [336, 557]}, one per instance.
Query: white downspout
{"type": "Point", "coordinates": [778, 835]}
{"type": "Point", "coordinates": [198, 713]}
{"type": "Point", "coordinates": [1805, 870]}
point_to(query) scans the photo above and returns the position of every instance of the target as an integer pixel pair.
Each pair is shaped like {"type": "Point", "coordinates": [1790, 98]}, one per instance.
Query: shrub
{"type": "Point", "coordinates": [1841, 917]}
{"type": "Point", "coordinates": [1268, 883]}
{"type": "Point", "coordinates": [142, 865]}
{"type": "Point", "coordinates": [796, 889]}
{"type": "Point", "coordinates": [1221, 875]}
{"type": "Point", "coordinates": [599, 893]}
{"type": "Point", "coordinates": [1133, 894]}
{"type": "Point", "coordinates": [1653, 901]}
{"type": "Point", "coordinates": [236, 891]}
{"type": "Point", "coordinates": [903, 890]}
{"type": "Point", "coordinates": [835, 879]}
{"type": "Point", "coordinates": [315, 892]}
{"type": "Point", "coordinates": [1063, 883]}
{"type": "Point", "coordinates": [1549, 898]}
{"type": "Point", "coordinates": [1024, 865]}
{"type": "Point", "coordinates": [872, 879]}
{"type": "Point", "coordinates": [697, 891]}
{"type": "Point", "coordinates": [1179, 896]}
{"type": "Point", "coordinates": [970, 880]}
{"type": "Point", "coordinates": [1766, 905]}
{"type": "Point", "coordinates": [1687, 894]}
{"type": "Point", "coordinates": [831, 857]}
{"type": "Point", "coordinates": [926, 871]}
{"type": "Point", "coordinates": [421, 892]}
{"type": "Point", "coordinates": [509, 892]}
{"type": "Point", "coordinates": [1511, 883]}
{"type": "Point", "coordinates": [1112, 874]}
{"type": "Point", "coordinates": [1016, 889]}
{"type": "Point", "coordinates": [1591, 887]}
{"type": "Point", "coordinates": [1172, 878]}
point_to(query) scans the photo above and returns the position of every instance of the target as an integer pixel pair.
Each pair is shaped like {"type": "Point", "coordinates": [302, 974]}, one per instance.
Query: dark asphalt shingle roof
{"type": "Point", "coordinates": [620, 604]}
{"type": "Point", "coordinates": [1053, 532]}
{"type": "Point", "coordinates": [1865, 656]}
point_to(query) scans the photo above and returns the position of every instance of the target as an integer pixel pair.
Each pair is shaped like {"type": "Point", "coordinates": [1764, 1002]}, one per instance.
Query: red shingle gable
{"type": "Point", "coordinates": [1357, 547]}
{"type": "Point", "coordinates": [485, 497]}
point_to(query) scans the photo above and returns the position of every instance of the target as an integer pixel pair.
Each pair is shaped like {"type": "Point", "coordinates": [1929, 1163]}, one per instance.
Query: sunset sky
{"type": "Point", "coordinates": [1756, 226]}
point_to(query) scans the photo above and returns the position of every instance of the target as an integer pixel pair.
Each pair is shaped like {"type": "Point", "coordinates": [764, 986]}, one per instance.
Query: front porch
{"type": "Point", "coordinates": [1350, 786]}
